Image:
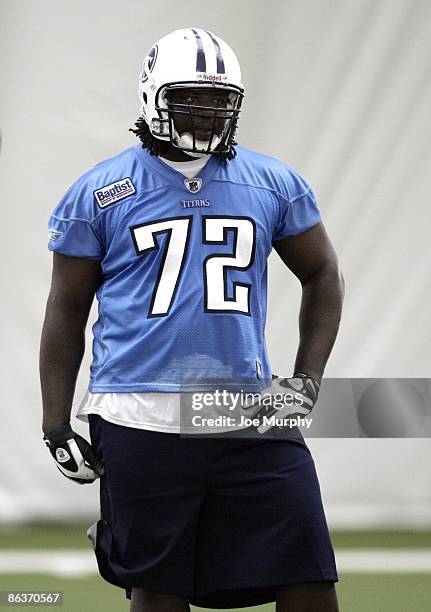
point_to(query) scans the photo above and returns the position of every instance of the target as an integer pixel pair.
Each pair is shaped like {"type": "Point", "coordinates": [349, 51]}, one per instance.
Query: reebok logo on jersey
{"type": "Point", "coordinates": [54, 235]}
{"type": "Point", "coordinates": [114, 192]}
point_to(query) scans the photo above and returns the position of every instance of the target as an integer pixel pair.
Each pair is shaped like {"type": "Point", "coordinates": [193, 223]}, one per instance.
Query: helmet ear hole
{"type": "Point", "coordinates": [144, 95]}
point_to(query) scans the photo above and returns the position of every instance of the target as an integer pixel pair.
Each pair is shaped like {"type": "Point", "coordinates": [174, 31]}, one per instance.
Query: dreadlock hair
{"type": "Point", "coordinates": [154, 146]}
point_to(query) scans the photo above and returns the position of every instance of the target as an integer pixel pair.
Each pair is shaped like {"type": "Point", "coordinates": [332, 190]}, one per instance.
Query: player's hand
{"type": "Point", "coordinates": [73, 455]}
{"type": "Point", "coordinates": [286, 398]}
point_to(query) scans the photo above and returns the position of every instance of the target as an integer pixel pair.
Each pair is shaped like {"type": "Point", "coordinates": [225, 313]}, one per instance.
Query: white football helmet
{"type": "Point", "coordinates": [186, 58]}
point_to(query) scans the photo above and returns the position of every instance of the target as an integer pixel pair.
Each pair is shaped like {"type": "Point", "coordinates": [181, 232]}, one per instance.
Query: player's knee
{"type": "Point", "coordinates": [149, 601]}
{"type": "Point", "coordinates": [316, 596]}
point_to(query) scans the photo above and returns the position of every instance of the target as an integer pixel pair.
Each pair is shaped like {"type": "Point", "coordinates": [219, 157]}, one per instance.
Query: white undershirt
{"type": "Point", "coordinates": [153, 411]}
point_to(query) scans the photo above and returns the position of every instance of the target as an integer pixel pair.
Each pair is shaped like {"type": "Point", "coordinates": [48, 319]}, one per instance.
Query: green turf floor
{"type": "Point", "coordinates": [356, 593]}
{"type": "Point", "coordinates": [56, 535]}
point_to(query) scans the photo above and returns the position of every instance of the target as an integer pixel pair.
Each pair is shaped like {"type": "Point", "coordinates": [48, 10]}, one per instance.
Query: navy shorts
{"type": "Point", "coordinates": [220, 521]}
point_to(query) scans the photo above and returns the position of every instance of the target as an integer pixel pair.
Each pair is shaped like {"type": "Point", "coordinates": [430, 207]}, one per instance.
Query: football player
{"type": "Point", "coordinates": [172, 236]}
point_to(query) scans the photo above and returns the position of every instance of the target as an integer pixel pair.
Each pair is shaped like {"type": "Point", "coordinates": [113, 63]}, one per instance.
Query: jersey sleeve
{"type": "Point", "coordinates": [71, 229]}
{"type": "Point", "coordinates": [298, 208]}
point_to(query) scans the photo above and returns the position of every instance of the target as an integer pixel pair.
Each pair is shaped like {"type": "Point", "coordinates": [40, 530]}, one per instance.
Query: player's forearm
{"type": "Point", "coordinates": [61, 351]}
{"type": "Point", "coordinates": [319, 320]}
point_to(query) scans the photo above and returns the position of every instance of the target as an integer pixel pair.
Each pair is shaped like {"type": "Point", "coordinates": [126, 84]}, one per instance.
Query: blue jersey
{"type": "Point", "coordinates": [182, 304]}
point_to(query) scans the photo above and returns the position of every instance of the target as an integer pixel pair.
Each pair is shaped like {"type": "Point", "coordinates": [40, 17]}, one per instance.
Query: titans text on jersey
{"type": "Point", "coordinates": [182, 305]}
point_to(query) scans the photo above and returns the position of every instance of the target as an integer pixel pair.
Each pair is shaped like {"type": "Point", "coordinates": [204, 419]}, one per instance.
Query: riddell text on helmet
{"type": "Point", "coordinates": [204, 76]}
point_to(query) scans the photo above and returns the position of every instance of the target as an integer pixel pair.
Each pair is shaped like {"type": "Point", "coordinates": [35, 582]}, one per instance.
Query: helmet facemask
{"type": "Point", "coordinates": [196, 128]}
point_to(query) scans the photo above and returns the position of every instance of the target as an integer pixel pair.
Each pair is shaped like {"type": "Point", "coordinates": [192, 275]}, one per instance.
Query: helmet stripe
{"type": "Point", "coordinates": [201, 62]}
{"type": "Point", "coordinates": [220, 60]}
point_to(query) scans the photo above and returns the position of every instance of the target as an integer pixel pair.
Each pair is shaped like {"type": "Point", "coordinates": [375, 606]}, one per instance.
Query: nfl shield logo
{"type": "Point", "coordinates": [193, 185]}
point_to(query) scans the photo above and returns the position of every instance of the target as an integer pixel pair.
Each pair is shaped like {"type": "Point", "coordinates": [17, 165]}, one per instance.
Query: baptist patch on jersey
{"type": "Point", "coordinates": [114, 192]}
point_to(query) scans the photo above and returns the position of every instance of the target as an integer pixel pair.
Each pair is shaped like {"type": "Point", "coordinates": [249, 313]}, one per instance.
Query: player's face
{"type": "Point", "coordinates": [204, 121]}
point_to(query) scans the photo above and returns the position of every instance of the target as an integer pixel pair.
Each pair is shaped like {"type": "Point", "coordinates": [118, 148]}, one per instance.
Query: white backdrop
{"type": "Point", "coordinates": [340, 89]}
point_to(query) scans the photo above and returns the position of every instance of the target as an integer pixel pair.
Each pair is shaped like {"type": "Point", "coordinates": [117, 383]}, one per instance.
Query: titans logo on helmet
{"type": "Point", "coordinates": [149, 62]}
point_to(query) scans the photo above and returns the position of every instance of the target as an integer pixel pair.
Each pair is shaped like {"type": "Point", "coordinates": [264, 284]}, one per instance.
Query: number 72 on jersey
{"type": "Point", "coordinates": [215, 267]}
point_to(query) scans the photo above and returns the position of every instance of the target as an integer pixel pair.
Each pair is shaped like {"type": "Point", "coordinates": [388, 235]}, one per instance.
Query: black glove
{"type": "Point", "coordinates": [286, 398]}
{"type": "Point", "coordinates": [73, 455]}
